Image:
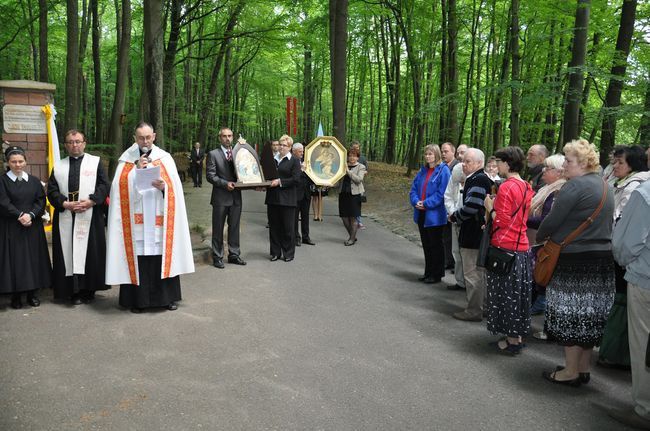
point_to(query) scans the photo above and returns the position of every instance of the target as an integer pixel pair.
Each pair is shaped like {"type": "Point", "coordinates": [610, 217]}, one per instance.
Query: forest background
{"type": "Point", "coordinates": [393, 74]}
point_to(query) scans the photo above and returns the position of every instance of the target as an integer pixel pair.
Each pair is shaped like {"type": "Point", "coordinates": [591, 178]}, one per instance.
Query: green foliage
{"type": "Point", "coordinates": [267, 55]}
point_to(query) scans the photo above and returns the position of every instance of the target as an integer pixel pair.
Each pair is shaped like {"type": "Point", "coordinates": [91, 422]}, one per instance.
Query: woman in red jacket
{"type": "Point", "coordinates": [508, 295]}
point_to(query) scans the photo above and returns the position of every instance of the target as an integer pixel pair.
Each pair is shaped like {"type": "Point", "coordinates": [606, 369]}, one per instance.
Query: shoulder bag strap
{"type": "Point", "coordinates": [573, 235]}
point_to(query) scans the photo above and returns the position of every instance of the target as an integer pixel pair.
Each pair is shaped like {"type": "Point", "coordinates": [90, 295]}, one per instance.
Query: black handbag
{"type": "Point", "coordinates": [499, 261]}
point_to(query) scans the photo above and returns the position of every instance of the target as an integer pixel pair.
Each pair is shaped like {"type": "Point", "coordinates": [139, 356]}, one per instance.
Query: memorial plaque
{"type": "Point", "coordinates": [24, 119]}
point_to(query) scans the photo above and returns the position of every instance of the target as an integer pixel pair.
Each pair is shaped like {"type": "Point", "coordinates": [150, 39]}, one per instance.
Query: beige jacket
{"type": "Point", "coordinates": [356, 179]}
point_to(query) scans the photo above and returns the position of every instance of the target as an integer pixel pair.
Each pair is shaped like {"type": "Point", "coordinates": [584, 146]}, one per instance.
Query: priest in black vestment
{"type": "Point", "coordinates": [77, 190]}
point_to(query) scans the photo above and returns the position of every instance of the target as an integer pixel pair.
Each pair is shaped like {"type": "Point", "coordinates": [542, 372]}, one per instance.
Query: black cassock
{"type": "Point", "coordinates": [95, 269]}
{"type": "Point", "coordinates": [24, 259]}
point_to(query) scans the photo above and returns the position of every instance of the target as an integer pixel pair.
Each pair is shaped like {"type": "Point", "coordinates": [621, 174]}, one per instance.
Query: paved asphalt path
{"type": "Point", "coordinates": [343, 338]}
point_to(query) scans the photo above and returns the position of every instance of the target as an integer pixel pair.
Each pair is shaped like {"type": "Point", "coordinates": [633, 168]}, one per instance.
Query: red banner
{"type": "Point", "coordinates": [288, 115]}
{"type": "Point", "coordinates": [292, 116]}
{"type": "Point", "coordinates": [295, 116]}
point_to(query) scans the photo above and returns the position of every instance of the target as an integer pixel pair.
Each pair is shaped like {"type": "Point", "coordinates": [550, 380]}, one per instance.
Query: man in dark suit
{"type": "Point", "coordinates": [281, 203]}
{"type": "Point", "coordinates": [303, 194]}
{"type": "Point", "coordinates": [226, 200]}
{"type": "Point", "coordinates": [196, 164]}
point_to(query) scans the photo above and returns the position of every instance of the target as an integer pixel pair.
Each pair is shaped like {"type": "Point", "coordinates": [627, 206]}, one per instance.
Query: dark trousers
{"type": "Point", "coordinates": [281, 230]}
{"type": "Point", "coordinates": [197, 173]}
{"type": "Point", "coordinates": [434, 256]}
{"type": "Point", "coordinates": [219, 215]}
{"type": "Point", "coordinates": [302, 212]}
{"type": "Point", "coordinates": [446, 240]}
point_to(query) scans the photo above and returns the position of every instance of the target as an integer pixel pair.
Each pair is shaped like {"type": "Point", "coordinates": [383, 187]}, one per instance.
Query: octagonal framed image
{"type": "Point", "coordinates": [325, 161]}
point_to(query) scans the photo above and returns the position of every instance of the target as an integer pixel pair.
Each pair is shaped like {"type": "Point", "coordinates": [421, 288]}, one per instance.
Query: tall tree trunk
{"type": "Point", "coordinates": [615, 87]}
{"type": "Point", "coordinates": [72, 66]}
{"type": "Point", "coordinates": [644, 126]}
{"type": "Point", "coordinates": [207, 113]}
{"type": "Point", "coordinates": [443, 126]}
{"type": "Point", "coordinates": [227, 85]}
{"type": "Point", "coordinates": [470, 73]}
{"type": "Point", "coordinates": [153, 66]}
{"type": "Point", "coordinates": [590, 78]}
{"type": "Point", "coordinates": [307, 97]}
{"type": "Point", "coordinates": [338, 18]}
{"type": "Point", "coordinates": [115, 128]}
{"type": "Point", "coordinates": [28, 16]}
{"type": "Point", "coordinates": [169, 78]}
{"type": "Point", "coordinates": [514, 100]}
{"type": "Point", "coordinates": [83, 44]}
{"type": "Point", "coordinates": [97, 70]}
{"type": "Point", "coordinates": [43, 65]}
{"type": "Point", "coordinates": [452, 71]}
{"type": "Point", "coordinates": [497, 131]}
{"type": "Point", "coordinates": [576, 74]}
{"type": "Point", "coordinates": [390, 48]}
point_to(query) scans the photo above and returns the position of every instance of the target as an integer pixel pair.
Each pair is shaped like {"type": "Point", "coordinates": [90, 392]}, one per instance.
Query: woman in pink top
{"type": "Point", "coordinates": [508, 295]}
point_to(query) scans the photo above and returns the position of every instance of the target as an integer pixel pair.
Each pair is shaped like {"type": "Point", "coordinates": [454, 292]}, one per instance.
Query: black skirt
{"type": "Point", "coordinates": [349, 205]}
{"type": "Point", "coordinates": [579, 298]}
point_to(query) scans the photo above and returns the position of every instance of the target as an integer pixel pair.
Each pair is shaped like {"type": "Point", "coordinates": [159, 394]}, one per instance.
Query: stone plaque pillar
{"type": "Point", "coordinates": [23, 123]}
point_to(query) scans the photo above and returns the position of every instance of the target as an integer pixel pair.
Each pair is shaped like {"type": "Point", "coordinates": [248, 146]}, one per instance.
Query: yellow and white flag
{"type": "Point", "coordinates": [53, 153]}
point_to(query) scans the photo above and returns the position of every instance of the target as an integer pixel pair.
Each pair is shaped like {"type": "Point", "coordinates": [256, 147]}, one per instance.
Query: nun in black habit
{"type": "Point", "coordinates": [24, 259]}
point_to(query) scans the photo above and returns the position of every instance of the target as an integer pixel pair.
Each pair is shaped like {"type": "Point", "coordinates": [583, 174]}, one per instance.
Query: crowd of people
{"type": "Point", "coordinates": [501, 214]}
{"type": "Point", "coordinates": [483, 220]}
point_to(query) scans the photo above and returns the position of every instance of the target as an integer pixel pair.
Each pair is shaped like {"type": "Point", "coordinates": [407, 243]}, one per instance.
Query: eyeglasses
{"type": "Point", "coordinates": [76, 142]}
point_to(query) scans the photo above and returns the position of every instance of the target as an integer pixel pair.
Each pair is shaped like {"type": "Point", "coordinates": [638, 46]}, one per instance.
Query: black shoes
{"type": "Point", "coordinates": [33, 301]}
{"type": "Point", "coordinates": [16, 303]}
{"type": "Point", "coordinates": [218, 263]}
{"type": "Point", "coordinates": [137, 310]}
{"type": "Point", "coordinates": [288, 259]}
{"type": "Point", "coordinates": [75, 300]}
{"type": "Point", "coordinates": [274, 258]}
{"type": "Point", "coordinates": [583, 377]}
{"type": "Point", "coordinates": [456, 287]}
{"type": "Point", "coordinates": [308, 241]}
{"type": "Point", "coordinates": [236, 260]}
{"type": "Point", "coordinates": [550, 376]}
{"type": "Point", "coordinates": [298, 243]}
{"type": "Point", "coordinates": [432, 280]}
{"type": "Point", "coordinates": [172, 307]}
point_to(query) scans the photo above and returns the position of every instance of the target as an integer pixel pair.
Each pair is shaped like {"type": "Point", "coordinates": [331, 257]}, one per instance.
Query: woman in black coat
{"type": "Point", "coordinates": [24, 259]}
{"type": "Point", "coordinates": [281, 203]}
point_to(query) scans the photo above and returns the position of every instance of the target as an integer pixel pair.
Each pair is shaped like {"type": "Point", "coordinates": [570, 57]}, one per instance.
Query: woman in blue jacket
{"type": "Point", "coordinates": [427, 197]}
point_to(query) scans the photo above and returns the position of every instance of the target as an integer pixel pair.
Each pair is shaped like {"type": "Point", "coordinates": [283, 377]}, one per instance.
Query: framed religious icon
{"type": "Point", "coordinates": [325, 161]}
{"type": "Point", "coordinates": [247, 166]}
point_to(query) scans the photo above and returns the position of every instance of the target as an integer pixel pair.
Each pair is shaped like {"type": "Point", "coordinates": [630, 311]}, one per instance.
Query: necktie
{"type": "Point", "coordinates": [229, 155]}
{"type": "Point", "coordinates": [20, 178]}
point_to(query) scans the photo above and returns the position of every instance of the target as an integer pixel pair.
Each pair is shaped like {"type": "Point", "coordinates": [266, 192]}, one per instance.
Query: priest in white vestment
{"type": "Point", "coordinates": [77, 190]}
{"type": "Point", "coordinates": [148, 244]}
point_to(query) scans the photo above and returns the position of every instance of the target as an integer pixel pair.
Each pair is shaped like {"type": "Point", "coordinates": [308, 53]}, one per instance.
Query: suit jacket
{"type": "Point", "coordinates": [218, 172]}
{"type": "Point", "coordinates": [197, 158]}
{"type": "Point", "coordinates": [285, 195]}
{"type": "Point", "coordinates": [303, 190]}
